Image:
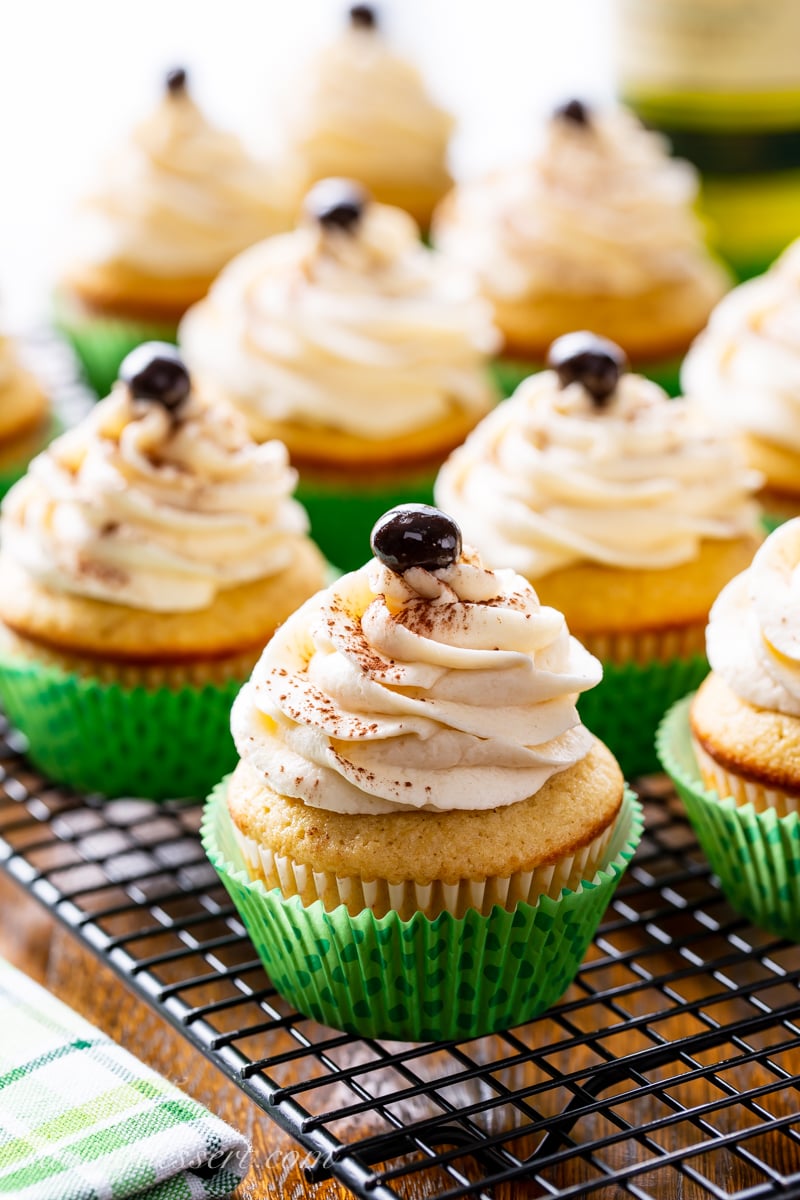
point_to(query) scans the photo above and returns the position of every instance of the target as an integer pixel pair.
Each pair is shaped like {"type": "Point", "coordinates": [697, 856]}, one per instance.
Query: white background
{"type": "Point", "coordinates": [75, 74]}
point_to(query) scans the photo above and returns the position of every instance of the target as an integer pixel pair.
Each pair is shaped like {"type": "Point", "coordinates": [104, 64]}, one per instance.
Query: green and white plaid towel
{"type": "Point", "coordinates": [81, 1119]}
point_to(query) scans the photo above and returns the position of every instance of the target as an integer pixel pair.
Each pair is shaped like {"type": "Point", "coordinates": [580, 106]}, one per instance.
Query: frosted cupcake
{"type": "Point", "coordinates": [173, 205]}
{"type": "Point", "coordinates": [596, 231]}
{"type": "Point", "coordinates": [745, 370]}
{"type": "Point", "coordinates": [734, 749]}
{"type": "Point", "coordinates": [361, 349]}
{"type": "Point", "coordinates": [147, 556]}
{"type": "Point", "coordinates": [26, 422]}
{"type": "Point", "coordinates": [416, 797]}
{"type": "Point", "coordinates": [626, 510]}
{"type": "Point", "coordinates": [360, 111]}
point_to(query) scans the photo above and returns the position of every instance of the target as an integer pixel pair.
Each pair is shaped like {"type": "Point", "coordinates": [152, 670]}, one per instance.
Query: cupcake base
{"type": "Point", "coordinates": [102, 737]}
{"type": "Point", "coordinates": [421, 978]}
{"type": "Point", "coordinates": [755, 854]}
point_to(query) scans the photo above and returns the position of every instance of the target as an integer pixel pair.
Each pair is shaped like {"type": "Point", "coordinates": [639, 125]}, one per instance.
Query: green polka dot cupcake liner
{"type": "Point", "coordinates": [98, 736]}
{"type": "Point", "coordinates": [625, 709]}
{"type": "Point", "coordinates": [509, 373]}
{"type": "Point", "coordinates": [342, 517]}
{"type": "Point", "coordinates": [101, 342]}
{"type": "Point", "coordinates": [752, 849]}
{"type": "Point", "coordinates": [423, 978]}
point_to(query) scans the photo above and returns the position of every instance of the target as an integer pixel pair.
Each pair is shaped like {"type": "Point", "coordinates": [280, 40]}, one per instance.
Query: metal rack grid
{"type": "Point", "coordinates": [671, 1068]}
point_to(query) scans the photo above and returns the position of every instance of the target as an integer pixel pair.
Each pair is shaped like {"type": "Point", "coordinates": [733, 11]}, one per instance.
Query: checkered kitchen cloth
{"type": "Point", "coordinates": [81, 1119]}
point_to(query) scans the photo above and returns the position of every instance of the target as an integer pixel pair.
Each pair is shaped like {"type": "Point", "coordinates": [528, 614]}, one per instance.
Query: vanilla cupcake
{"type": "Point", "coordinates": [361, 349]}
{"type": "Point", "coordinates": [359, 110]}
{"type": "Point", "coordinates": [26, 421]}
{"type": "Point", "coordinates": [147, 556]}
{"type": "Point", "coordinates": [626, 510]}
{"type": "Point", "coordinates": [734, 748]}
{"type": "Point", "coordinates": [745, 370]}
{"type": "Point", "coordinates": [174, 203]}
{"type": "Point", "coordinates": [416, 797]}
{"type": "Point", "coordinates": [596, 231]}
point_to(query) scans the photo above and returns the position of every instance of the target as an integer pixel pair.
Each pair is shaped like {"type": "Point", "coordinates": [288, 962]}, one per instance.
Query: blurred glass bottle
{"type": "Point", "coordinates": [722, 79]}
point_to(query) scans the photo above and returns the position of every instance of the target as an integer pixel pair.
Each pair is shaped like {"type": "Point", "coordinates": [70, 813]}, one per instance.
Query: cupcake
{"type": "Point", "coordinates": [361, 111]}
{"type": "Point", "coordinates": [175, 203]}
{"type": "Point", "coordinates": [745, 369]}
{"type": "Point", "coordinates": [147, 556]}
{"type": "Point", "coordinates": [420, 835]}
{"type": "Point", "coordinates": [597, 231]}
{"type": "Point", "coordinates": [734, 748]}
{"type": "Point", "coordinates": [26, 421]}
{"type": "Point", "coordinates": [361, 349]}
{"type": "Point", "coordinates": [627, 511]}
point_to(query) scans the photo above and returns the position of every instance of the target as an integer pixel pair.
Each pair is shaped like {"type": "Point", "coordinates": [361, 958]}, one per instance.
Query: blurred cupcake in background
{"type": "Point", "coordinates": [626, 510]}
{"type": "Point", "coordinates": [361, 111]}
{"type": "Point", "coordinates": [745, 370]}
{"type": "Point", "coordinates": [174, 203]}
{"type": "Point", "coordinates": [596, 231]}
{"type": "Point", "coordinates": [147, 556]}
{"type": "Point", "coordinates": [733, 749]}
{"type": "Point", "coordinates": [357, 346]}
{"type": "Point", "coordinates": [26, 419]}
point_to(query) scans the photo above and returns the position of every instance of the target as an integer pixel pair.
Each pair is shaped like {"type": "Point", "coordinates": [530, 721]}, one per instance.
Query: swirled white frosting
{"type": "Point", "coordinates": [745, 367]}
{"type": "Point", "coordinates": [600, 208]}
{"type": "Point", "coordinates": [361, 111]}
{"type": "Point", "coordinates": [453, 689]}
{"type": "Point", "coordinates": [753, 635]}
{"type": "Point", "coordinates": [179, 199]}
{"type": "Point", "coordinates": [135, 508]}
{"type": "Point", "coordinates": [366, 332]}
{"type": "Point", "coordinates": [549, 479]}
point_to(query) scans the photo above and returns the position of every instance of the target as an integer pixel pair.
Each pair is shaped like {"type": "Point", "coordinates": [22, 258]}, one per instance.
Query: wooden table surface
{"type": "Point", "coordinates": [42, 948]}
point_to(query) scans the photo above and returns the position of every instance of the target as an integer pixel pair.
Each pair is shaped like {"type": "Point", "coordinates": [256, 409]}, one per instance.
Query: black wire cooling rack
{"type": "Point", "coordinates": [670, 1069]}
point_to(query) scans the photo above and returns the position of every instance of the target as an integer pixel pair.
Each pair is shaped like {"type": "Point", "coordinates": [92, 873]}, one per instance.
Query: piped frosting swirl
{"type": "Point", "coordinates": [753, 636]}
{"type": "Point", "coordinates": [447, 689]}
{"type": "Point", "coordinates": [601, 208]}
{"type": "Point", "coordinates": [153, 510]}
{"type": "Point", "coordinates": [549, 479]}
{"type": "Point", "coordinates": [178, 199]}
{"type": "Point", "coordinates": [364, 331]}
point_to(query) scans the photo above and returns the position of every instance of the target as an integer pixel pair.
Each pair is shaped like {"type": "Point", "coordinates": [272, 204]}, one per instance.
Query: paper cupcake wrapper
{"type": "Point", "coordinates": [342, 517]}
{"type": "Point", "coordinates": [509, 373]}
{"type": "Point", "coordinates": [625, 708]}
{"type": "Point", "coordinates": [101, 342]}
{"type": "Point", "coordinates": [419, 979]}
{"type": "Point", "coordinates": [409, 897]}
{"type": "Point", "coordinates": [755, 854]}
{"type": "Point", "coordinates": [103, 737]}
{"type": "Point", "coordinates": [717, 778]}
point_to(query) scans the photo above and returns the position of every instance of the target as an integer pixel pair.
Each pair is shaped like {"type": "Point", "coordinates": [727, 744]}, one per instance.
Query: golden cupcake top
{"type": "Point", "coordinates": [600, 208]}
{"type": "Point", "coordinates": [745, 366]}
{"type": "Point", "coordinates": [590, 463]}
{"type": "Point", "coordinates": [178, 198]}
{"type": "Point", "coordinates": [421, 681]}
{"type": "Point", "coordinates": [156, 500]}
{"type": "Point", "coordinates": [348, 323]}
{"type": "Point", "coordinates": [361, 110]}
{"type": "Point", "coordinates": [753, 635]}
